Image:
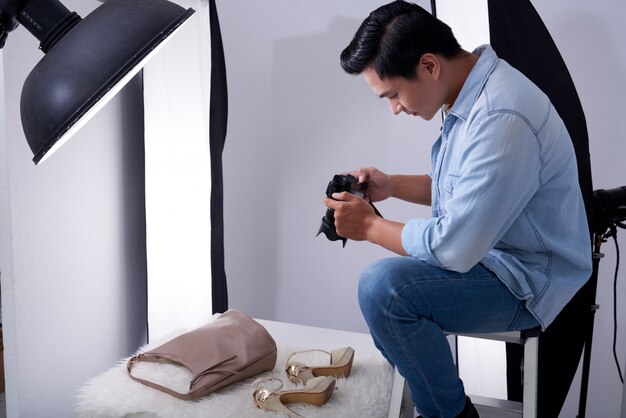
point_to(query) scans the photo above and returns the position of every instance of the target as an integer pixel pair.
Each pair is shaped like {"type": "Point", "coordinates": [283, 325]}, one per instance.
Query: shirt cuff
{"type": "Point", "coordinates": [416, 240]}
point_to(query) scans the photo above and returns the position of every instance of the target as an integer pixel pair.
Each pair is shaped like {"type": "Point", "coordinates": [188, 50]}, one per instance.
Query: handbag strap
{"type": "Point", "coordinates": [155, 357]}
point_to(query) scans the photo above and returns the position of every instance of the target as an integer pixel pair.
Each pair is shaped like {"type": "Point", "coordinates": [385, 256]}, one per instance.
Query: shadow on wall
{"type": "Point", "coordinates": [295, 121]}
{"type": "Point", "coordinates": [320, 125]}
{"type": "Point", "coordinates": [304, 120]}
{"type": "Point", "coordinates": [134, 245]}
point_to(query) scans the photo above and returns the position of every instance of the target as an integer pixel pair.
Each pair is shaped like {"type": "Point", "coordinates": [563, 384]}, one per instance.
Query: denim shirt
{"type": "Point", "coordinates": [505, 191]}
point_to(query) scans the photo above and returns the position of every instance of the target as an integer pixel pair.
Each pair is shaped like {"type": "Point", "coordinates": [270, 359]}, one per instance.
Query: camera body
{"type": "Point", "coordinates": [345, 183]}
{"type": "Point", "coordinates": [339, 183]}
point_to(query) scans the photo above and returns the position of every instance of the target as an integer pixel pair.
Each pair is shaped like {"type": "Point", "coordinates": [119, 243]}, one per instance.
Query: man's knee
{"type": "Point", "coordinates": [385, 286]}
{"type": "Point", "coordinates": [375, 285]}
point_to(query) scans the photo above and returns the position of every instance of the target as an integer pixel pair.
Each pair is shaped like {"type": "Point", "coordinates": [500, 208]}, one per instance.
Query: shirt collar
{"type": "Point", "coordinates": [475, 81]}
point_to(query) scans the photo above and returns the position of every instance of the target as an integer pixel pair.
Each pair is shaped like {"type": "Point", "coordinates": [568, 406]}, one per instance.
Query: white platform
{"type": "Point", "coordinates": [366, 393]}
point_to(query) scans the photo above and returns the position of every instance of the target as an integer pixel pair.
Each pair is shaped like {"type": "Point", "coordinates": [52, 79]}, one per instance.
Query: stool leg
{"type": "Point", "coordinates": [531, 377]}
{"type": "Point", "coordinates": [399, 398]}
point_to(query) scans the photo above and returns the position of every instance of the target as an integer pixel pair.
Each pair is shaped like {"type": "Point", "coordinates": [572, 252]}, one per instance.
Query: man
{"type": "Point", "coordinates": [507, 245]}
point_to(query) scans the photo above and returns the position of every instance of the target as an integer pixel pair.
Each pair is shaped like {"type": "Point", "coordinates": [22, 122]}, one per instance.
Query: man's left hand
{"type": "Point", "coordinates": [353, 215]}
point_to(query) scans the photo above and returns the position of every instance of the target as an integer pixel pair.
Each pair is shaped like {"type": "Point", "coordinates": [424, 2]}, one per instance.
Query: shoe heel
{"type": "Point", "coordinates": [316, 392]}
{"type": "Point", "coordinates": [341, 360]}
{"type": "Point", "coordinates": [340, 366]}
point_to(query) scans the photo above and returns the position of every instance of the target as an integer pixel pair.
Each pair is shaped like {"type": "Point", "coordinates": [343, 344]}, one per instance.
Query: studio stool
{"type": "Point", "coordinates": [529, 339]}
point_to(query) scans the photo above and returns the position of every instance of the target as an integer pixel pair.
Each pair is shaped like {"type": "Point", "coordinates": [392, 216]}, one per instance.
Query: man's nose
{"type": "Point", "coordinates": [396, 107]}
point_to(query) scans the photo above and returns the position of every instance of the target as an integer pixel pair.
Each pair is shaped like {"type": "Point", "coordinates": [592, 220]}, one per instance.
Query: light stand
{"type": "Point", "coordinates": [609, 213]}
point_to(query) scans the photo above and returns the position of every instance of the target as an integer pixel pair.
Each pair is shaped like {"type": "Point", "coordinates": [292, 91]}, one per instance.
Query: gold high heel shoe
{"type": "Point", "coordinates": [340, 366]}
{"type": "Point", "coordinates": [316, 392]}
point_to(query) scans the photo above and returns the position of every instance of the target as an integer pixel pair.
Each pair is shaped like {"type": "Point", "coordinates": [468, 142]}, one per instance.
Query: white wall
{"type": "Point", "coordinates": [73, 257]}
{"type": "Point", "coordinates": [295, 119]}
{"type": "Point", "coordinates": [590, 36]}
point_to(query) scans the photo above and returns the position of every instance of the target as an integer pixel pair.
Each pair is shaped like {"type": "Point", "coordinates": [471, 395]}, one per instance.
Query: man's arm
{"type": "Point", "coordinates": [500, 171]}
{"type": "Point", "coordinates": [387, 234]}
{"type": "Point", "coordinates": [355, 219]}
{"type": "Point", "coordinates": [414, 189]}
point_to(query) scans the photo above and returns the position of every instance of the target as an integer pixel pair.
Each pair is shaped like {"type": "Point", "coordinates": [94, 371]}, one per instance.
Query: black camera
{"type": "Point", "coordinates": [339, 183]}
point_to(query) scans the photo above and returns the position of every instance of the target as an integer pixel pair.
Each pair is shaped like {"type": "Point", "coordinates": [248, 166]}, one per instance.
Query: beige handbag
{"type": "Point", "coordinates": [228, 349]}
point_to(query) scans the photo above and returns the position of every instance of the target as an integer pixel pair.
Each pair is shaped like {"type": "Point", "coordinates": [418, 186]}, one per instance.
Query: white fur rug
{"type": "Point", "coordinates": [364, 394]}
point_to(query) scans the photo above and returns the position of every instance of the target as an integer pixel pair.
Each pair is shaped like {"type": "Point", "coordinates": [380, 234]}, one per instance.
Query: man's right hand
{"type": "Point", "coordinates": [378, 184]}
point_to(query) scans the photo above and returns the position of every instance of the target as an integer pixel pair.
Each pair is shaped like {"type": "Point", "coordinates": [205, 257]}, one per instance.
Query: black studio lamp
{"type": "Point", "coordinates": [86, 62]}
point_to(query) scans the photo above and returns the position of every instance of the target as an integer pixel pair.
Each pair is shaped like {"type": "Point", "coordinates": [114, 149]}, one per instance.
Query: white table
{"type": "Point", "coordinates": [369, 366]}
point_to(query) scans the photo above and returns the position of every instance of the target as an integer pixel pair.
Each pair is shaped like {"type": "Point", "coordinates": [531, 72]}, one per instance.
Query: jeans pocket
{"type": "Point", "coordinates": [523, 319]}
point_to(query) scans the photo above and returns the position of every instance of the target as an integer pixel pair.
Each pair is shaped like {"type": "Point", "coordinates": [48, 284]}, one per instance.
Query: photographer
{"type": "Point", "coordinates": [507, 245]}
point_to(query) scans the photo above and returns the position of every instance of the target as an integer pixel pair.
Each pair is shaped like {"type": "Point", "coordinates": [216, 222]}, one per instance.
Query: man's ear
{"type": "Point", "coordinates": [430, 64]}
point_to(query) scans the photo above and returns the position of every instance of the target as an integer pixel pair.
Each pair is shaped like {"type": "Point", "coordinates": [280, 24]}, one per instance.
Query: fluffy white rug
{"type": "Point", "coordinates": [364, 394]}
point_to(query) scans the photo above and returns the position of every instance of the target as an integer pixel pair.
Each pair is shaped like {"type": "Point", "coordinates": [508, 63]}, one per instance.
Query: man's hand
{"type": "Point", "coordinates": [353, 215]}
{"type": "Point", "coordinates": [378, 184]}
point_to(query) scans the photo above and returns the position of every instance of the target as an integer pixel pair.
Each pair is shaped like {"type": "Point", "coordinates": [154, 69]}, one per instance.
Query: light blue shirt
{"type": "Point", "coordinates": [505, 191]}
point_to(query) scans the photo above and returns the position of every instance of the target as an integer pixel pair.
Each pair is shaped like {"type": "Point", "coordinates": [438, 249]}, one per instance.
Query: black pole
{"type": "Point", "coordinates": [584, 383]}
{"type": "Point", "coordinates": [433, 7]}
{"type": "Point", "coordinates": [217, 132]}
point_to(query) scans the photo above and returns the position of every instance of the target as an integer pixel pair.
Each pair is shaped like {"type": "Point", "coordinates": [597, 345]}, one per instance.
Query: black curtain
{"type": "Point", "coordinates": [518, 35]}
{"type": "Point", "coordinates": [217, 136]}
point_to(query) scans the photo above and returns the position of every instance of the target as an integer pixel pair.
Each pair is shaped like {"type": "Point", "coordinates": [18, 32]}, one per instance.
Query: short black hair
{"type": "Point", "coordinates": [394, 37]}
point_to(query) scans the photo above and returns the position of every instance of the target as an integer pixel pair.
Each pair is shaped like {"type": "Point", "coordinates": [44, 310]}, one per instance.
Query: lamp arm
{"type": "Point", "coordinates": [8, 17]}
{"type": "Point", "coordinates": [47, 20]}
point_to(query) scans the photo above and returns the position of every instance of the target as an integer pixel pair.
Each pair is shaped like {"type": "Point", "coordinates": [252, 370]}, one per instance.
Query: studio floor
{"type": "Point", "coordinates": [488, 412]}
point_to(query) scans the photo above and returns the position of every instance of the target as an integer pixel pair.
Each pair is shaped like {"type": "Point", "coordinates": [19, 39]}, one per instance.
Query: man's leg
{"type": "Point", "coordinates": [408, 304]}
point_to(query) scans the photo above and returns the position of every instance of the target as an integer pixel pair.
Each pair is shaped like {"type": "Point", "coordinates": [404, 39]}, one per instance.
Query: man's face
{"type": "Point", "coordinates": [418, 97]}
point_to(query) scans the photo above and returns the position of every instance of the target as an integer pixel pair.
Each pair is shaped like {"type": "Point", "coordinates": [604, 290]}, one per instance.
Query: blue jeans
{"type": "Point", "coordinates": [408, 305]}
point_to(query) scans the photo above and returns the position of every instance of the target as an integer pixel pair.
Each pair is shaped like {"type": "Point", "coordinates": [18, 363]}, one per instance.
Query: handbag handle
{"type": "Point", "coordinates": [154, 357]}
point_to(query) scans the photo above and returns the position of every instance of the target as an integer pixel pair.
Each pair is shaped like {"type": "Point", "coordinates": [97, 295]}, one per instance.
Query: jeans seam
{"type": "Point", "coordinates": [517, 316]}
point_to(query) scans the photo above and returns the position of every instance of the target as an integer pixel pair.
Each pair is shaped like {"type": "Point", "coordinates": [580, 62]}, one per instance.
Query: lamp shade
{"type": "Point", "coordinates": [89, 64]}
